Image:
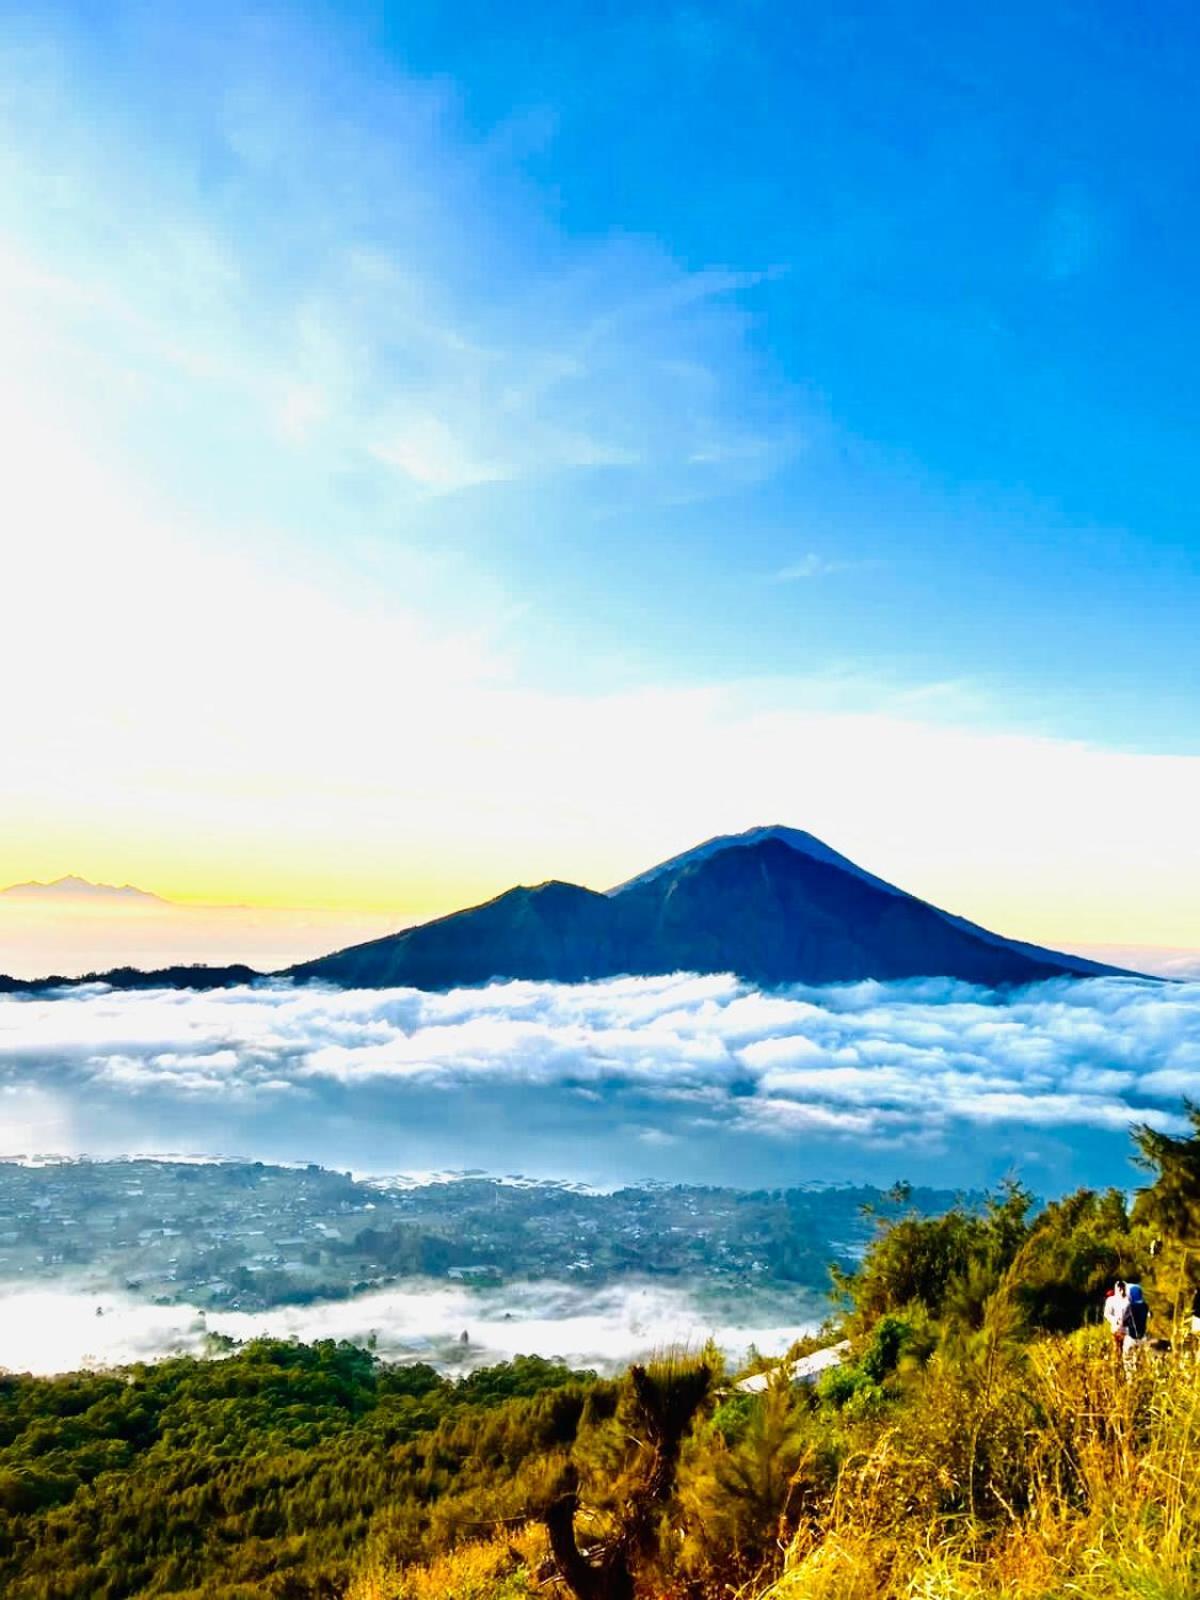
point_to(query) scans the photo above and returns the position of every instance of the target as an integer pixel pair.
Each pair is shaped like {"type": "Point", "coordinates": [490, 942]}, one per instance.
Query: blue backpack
{"type": "Point", "coordinates": [1138, 1314]}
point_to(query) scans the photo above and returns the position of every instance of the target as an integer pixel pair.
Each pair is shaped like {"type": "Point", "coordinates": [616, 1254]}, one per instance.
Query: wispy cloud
{"type": "Point", "coordinates": [815, 564]}
{"type": "Point", "coordinates": [811, 565]}
{"type": "Point", "coordinates": [327, 249]}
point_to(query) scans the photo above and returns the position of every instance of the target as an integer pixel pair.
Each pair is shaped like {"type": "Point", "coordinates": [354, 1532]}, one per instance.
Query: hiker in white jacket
{"type": "Point", "coordinates": [1116, 1313]}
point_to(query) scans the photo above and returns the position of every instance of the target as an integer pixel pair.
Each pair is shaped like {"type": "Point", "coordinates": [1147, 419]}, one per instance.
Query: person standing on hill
{"type": "Point", "coordinates": [1116, 1311]}
{"type": "Point", "coordinates": [1137, 1317]}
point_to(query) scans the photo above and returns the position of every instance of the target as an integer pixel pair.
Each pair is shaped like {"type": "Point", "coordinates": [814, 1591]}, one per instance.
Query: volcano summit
{"type": "Point", "coordinates": [773, 905]}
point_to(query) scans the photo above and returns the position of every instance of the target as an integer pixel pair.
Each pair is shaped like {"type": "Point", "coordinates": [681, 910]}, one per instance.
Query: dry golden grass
{"type": "Point", "coordinates": [1048, 1472]}
{"type": "Point", "coordinates": [1089, 1475]}
{"type": "Point", "coordinates": [492, 1569]}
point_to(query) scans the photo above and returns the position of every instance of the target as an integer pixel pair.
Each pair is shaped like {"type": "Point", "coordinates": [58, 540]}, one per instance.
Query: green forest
{"type": "Point", "coordinates": [983, 1438]}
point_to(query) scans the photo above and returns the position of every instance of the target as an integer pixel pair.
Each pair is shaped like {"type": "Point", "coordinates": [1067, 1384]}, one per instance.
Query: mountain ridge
{"type": "Point", "coordinates": [773, 905]}
{"type": "Point", "coordinates": [72, 887]}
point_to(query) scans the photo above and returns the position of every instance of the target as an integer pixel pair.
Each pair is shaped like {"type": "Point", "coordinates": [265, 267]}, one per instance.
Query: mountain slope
{"type": "Point", "coordinates": [774, 906]}
{"type": "Point", "coordinates": [816, 849]}
{"type": "Point", "coordinates": [806, 843]}
{"type": "Point", "coordinates": [774, 914]}
{"type": "Point", "coordinates": [555, 931]}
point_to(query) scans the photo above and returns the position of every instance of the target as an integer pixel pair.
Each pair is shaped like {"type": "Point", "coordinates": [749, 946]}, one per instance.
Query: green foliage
{"type": "Point", "coordinates": [742, 1481]}
{"type": "Point", "coordinates": [889, 1338]}
{"type": "Point", "coordinates": [1052, 1267]}
{"type": "Point", "coordinates": [267, 1473]}
{"type": "Point", "coordinates": [914, 1262]}
{"type": "Point", "coordinates": [860, 1388]}
{"type": "Point", "coordinates": [1076, 1248]}
{"type": "Point", "coordinates": [1172, 1203]}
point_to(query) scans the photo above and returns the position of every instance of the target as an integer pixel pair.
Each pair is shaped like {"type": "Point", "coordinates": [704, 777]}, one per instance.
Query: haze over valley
{"type": "Point", "coordinates": [70, 926]}
{"type": "Point", "coordinates": [134, 1259]}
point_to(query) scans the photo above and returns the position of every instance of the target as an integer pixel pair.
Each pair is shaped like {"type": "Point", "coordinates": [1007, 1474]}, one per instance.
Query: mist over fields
{"type": "Point", "coordinates": [700, 1079]}
{"type": "Point", "coordinates": [63, 1328]}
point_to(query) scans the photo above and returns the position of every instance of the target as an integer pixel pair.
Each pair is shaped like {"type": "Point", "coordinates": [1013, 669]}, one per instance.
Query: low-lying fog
{"type": "Point", "coordinates": [61, 1329]}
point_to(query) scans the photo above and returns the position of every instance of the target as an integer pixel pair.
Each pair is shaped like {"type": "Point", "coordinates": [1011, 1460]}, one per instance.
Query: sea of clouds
{"type": "Point", "coordinates": [682, 1077]}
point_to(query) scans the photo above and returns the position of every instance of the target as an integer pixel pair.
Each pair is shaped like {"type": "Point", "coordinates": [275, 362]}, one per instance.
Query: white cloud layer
{"type": "Point", "coordinates": [57, 1329]}
{"type": "Point", "coordinates": [572, 1078]}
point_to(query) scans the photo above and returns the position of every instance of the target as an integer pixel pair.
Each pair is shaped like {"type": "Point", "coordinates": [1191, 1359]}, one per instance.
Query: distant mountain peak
{"type": "Point", "coordinates": [795, 838]}
{"type": "Point", "coordinates": [72, 887]}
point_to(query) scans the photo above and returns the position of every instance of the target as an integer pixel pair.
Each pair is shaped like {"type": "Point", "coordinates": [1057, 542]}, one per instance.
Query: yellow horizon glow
{"type": "Point", "coordinates": [1025, 835]}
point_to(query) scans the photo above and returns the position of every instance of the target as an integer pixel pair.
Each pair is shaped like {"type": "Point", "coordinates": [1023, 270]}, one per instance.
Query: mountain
{"type": "Point", "coordinates": [77, 889]}
{"type": "Point", "coordinates": [193, 976]}
{"type": "Point", "coordinates": [807, 843]}
{"type": "Point", "coordinates": [773, 905]}
{"type": "Point", "coordinates": [556, 931]}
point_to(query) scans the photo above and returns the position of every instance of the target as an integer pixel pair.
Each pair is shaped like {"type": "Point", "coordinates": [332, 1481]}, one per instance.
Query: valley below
{"type": "Point", "coordinates": [104, 1262]}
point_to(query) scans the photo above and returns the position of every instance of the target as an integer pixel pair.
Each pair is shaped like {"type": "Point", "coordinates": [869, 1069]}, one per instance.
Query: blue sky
{"type": "Point", "coordinates": [822, 362]}
{"type": "Point", "coordinates": [975, 325]}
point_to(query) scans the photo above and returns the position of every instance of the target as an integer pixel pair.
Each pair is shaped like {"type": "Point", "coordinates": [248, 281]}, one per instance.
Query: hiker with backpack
{"type": "Point", "coordinates": [1137, 1317]}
